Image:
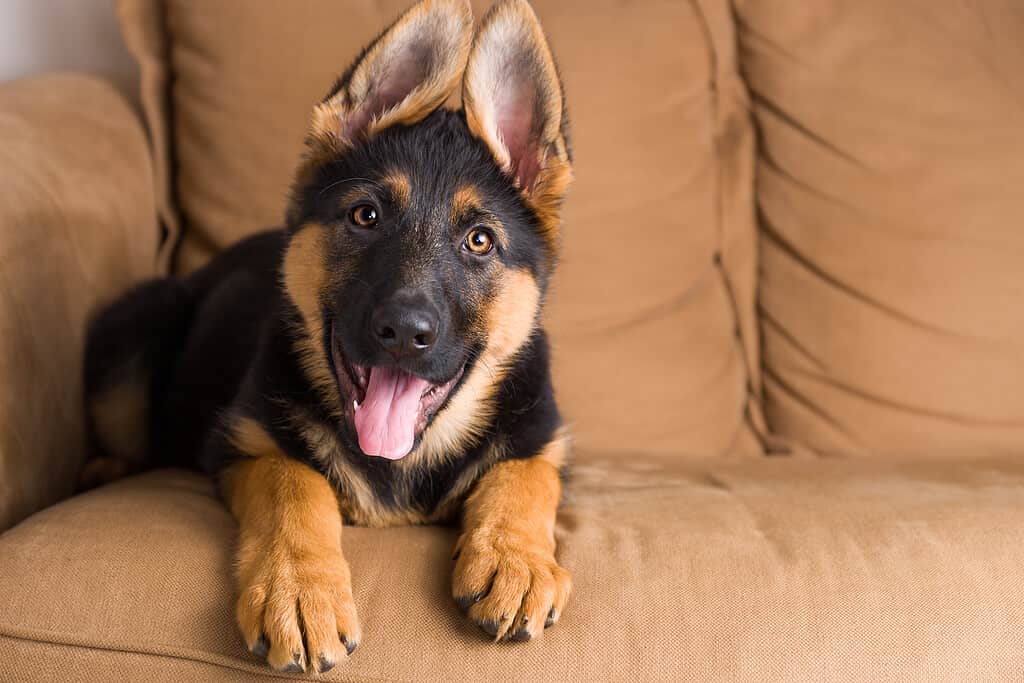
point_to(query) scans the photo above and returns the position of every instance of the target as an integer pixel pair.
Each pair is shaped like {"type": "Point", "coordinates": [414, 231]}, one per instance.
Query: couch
{"type": "Point", "coordinates": [788, 332]}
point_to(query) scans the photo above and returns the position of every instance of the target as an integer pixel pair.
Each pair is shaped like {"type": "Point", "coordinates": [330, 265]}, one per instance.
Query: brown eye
{"type": "Point", "coordinates": [364, 215]}
{"type": "Point", "coordinates": [479, 241]}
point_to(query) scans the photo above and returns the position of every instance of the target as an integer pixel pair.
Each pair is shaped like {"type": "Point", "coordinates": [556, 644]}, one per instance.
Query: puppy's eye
{"type": "Point", "coordinates": [364, 215]}
{"type": "Point", "coordinates": [479, 241]}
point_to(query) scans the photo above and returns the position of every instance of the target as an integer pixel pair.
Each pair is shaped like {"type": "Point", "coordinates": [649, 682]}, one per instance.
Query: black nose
{"type": "Point", "coordinates": [403, 326]}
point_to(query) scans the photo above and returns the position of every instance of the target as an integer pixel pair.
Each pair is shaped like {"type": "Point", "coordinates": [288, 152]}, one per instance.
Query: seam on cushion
{"type": "Point", "coordinates": [174, 242]}
{"type": "Point", "coordinates": [750, 417]}
{"type": "Point", "coordinates": [810, 406]}
{"type": "Point", "coordinates": [780, 444]}
{"type": "Point", "coordinates": [135, 18]}
{"type": "Point", "coordinates": [46, 638]}
{"type": "Point", "coordinates": [878, 399]}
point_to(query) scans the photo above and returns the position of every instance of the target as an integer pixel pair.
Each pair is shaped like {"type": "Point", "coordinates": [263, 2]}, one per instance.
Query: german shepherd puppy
{"type": "Point", "coordinates": [380, 359]}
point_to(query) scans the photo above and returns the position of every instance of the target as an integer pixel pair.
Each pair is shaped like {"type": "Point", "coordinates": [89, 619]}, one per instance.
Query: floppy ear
{"type": "Point", "coordinates": [513, 101]}
{"type": "Point", "coordinates": [402, 76]}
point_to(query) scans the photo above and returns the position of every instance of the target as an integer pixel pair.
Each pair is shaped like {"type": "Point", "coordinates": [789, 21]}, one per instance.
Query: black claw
{"type": "Point", "coordinates": [522, 635]}
{"type": "Point", "coordinates": [262, 647]}
{"type": "Point", "coordinates": [325, 664]}
{"type": "Point", "coordinates": [550, 621]}
{"type": "Point", "coordinates": [350, 647]}
{"type": "Point", "coordinates": [296, 664]}
{"type": "Point", "coordinates": [490, 627]}
{"type": "Point", "coordinates": [466, 601]}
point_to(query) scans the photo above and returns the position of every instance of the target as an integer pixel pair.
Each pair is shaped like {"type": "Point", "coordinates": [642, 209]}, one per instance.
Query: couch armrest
{"type": "Point", "coordinates": [77, 226]}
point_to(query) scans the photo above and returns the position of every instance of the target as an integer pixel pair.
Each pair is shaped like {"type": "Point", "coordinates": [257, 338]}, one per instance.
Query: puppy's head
{"type": "Point", "coordinates": [422, 239]}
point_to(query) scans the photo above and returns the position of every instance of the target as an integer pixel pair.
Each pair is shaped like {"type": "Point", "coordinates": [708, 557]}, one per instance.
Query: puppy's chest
{"type": "Point", "coordinates": [381, 493]}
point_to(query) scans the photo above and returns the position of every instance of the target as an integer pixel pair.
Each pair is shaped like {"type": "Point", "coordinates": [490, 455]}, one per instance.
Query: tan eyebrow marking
{"type": "Point", "coordinates": [400, 187]}
{"type": "Point", "coordinates": [466, 200]}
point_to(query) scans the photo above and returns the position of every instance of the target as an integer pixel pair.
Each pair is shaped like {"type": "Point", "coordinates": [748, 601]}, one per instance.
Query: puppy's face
{"type": "Point", "coordinates": [422, 229]}
{"type": "Point", "coordinates": [434, 230]}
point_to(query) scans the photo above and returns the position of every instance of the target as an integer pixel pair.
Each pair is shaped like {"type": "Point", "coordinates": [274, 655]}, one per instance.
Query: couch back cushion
{"type": "Point", "coordinates": [652, 313]}
{"type": "Point", "coordinates": [890, 187]}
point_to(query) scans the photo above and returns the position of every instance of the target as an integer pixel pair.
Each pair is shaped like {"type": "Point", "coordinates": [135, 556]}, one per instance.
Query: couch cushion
{"type": "Point", "coordinates": [77, 227]}
{"type": "Point", "coordinates": [890, 189]}
{"type": "Point", "coordinates": [778, 569]}
{"type": "Point", "coordinates": [652, 314]}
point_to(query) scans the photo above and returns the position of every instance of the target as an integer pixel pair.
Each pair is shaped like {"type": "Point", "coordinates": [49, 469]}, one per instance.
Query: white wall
{"type": "Point", "coordinates": [46, 35]}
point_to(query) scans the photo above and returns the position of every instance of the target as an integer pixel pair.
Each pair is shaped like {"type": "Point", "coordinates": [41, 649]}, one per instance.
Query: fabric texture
{"type": "Point", "coordinates": [770, 570]}
{"type": "Point", "coordinates": [76, 228]}
{"type": "Point", "coordinates": [889, 187]}
{"type": "Point", "coordinates": [652, 312]}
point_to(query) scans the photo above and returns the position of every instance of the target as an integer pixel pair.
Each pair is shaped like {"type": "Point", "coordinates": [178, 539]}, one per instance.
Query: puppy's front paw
{"type": "Point", "coordinates": [296, 611]}
{"type": "Point", "coordinates": [509, 583]}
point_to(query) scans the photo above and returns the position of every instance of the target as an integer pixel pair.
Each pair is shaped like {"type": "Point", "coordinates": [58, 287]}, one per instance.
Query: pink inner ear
{"type": "Point", "coordinates": [514, 112]}
{"type": "Point", "coordinates": [391, 82]}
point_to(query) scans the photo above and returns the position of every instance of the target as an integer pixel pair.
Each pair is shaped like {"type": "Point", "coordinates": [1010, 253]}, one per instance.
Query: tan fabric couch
{"type": "Point", "coordinates": [788, 329]}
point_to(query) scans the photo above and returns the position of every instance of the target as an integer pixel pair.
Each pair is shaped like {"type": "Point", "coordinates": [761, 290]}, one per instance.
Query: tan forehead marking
{"type": "Point", "coordinates": [466, 200]}
{"type": "Point", "coordinates": [400, 188]}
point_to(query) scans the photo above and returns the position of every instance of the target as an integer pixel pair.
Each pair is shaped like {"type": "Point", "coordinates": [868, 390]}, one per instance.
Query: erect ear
{"type": "Point", "coordinates": [402, 76]}
{"type": "Point", "coordinates": [513, 101]}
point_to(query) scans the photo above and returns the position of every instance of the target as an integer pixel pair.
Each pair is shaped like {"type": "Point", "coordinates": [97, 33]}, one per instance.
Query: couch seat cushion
{"type": "Point", "coordinates": [781, 569]}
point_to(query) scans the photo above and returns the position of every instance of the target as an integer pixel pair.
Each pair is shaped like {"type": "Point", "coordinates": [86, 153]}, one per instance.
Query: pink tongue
{"type": "Point", "coordinates": [386, 419]}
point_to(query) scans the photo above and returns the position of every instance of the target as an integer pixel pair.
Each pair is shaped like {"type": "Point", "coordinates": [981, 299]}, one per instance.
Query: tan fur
{"type": "Point", "coordinates": [506, 554]}
{"type": "Point", "coordinates": [513, 317]}
{"type": "Point", "coordinates": [120, 414]}
{"type": "Point", "coordinates": [400, 188]}
{"type": "Point", "coordinates": [547, 195]}
{"type": "Point", "coordinates": [356, 499]}
{"type": "Point", "coordinates": [305, 277]}
{"type": "Point", "coordinates": [293, 580]}
{"type": "Point", "coordinates": [559, 449]}
{"type": "Point", "coordinates": [325, 127]}
{"type": "Point", "coordinates": [250, 438]}
{"type": "Point", "coordinates": [465, 201]}
{"type": "Point", "coordinates": [510, 36]}
{"type": "Point", "coordinates": [450, 507]}
{"type": "Point", "coordinates": [448, 23]}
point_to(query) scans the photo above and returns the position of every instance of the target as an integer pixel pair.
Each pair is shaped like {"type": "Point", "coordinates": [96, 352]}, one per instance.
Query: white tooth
{"type": "Point", "coordinates": [355, 404]}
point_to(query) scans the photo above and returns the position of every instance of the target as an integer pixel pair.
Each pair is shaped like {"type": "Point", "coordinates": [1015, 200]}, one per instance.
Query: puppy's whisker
{"type": "Point", "coordinates": [343, 181]}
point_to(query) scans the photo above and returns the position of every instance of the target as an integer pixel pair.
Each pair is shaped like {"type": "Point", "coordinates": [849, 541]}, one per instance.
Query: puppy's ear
{"type": "Point", "coordinates": [514, 103]}
{"type": "Point", "coordinates": [402, 76]}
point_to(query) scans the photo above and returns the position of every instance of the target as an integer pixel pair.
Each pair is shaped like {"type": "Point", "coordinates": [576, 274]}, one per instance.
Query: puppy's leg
{"type": "Point", "coordinates": [295, 597]}
{"type": "Point", "coordinates": [505, 571]}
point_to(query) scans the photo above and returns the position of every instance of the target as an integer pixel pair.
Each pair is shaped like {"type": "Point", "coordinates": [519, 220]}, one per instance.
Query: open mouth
{"type": "Point", "coordinates": [388, 407]}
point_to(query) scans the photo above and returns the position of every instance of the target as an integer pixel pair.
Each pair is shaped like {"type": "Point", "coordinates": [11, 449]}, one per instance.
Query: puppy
{"type": "Point", "coordinates": [379, 360]}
